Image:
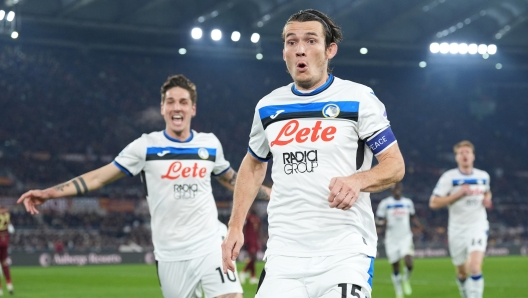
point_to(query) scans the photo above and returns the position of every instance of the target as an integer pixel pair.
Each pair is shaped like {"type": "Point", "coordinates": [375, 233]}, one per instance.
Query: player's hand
{"type": "Point", "coordinates": [33, 198]}
{"type": "Point", "coordinates": [231, 248]}
{"type": "Point", "coordinates": [344, 192]}
{"type": "Point", "coordinates": [488, 204]}
{"type": "Point", "coordinates": [464, 191]}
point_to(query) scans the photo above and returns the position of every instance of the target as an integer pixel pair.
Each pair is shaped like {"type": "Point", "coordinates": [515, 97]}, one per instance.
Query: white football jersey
{"type": "Point", "coordinates": [177, 179]}
{"type": "Point", "coordinates": [397, 214]}
{"type": "Point", "coordinates": [312, 138]}
{"type": "Point", "coordinates": [468, 210]}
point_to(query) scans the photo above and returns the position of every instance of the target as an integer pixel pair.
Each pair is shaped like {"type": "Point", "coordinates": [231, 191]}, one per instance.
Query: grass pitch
{"type": "Point", "coordinates": [504, 277]}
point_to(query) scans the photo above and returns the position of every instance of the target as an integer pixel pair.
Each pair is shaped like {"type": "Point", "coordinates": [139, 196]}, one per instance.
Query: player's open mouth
{"type": "Point", "coordinates": [301, 66]}
{"type": "Point", "coordinates": [177, 119]}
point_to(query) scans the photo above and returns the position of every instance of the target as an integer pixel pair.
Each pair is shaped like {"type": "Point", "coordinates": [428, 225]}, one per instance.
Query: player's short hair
{"type": "Point", "coordinates": [179, 81]}
{"type": "Point", "coordinates": [464, 143]}
{"type": "Point", "coordinates": [332, 31]}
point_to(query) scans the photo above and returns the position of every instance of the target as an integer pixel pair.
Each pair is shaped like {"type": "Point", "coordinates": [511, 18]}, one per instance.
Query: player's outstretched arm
{"type": "Point", "coordinates": [437, 202]}
{"type": "Point", "coordinates": [250, 177]}
{"type": "Point", "coordinates": [344, 191]}
{"type": "Point", "coordinates": [228, 180]}
{"type": "Point", "coordinates": [77, 186]}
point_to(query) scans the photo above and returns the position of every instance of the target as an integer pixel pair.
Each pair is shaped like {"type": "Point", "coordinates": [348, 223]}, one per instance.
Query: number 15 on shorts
{"type": "Point", "coordinates": [350, 290]}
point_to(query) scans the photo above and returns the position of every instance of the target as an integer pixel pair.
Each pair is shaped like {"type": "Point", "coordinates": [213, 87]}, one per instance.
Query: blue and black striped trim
{"type": "Point", "coordinates": [172, 153]}
{"type": "Point", "coordinates": [325, 86]}
{"type": "Point", "coordinates": [348, 110]}
{"type": "Point", "coordinates": [371, 271]}
{"type": "Point", "coordinates": [258, 157]}
{"type": "Point", "coordinates": [398, 206]}
{"type": "Point", "coordinates": [123, 169]}
{"type": "Point", "coordinates": [457, 182]}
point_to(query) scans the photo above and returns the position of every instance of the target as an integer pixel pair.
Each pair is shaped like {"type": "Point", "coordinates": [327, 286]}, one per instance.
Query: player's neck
{"type": "Point", "coordinates": [183, 136]}
{"type": "Point", "coordinates": [466, 170]}
{"type": "Point", "coordinates": [318, 84]}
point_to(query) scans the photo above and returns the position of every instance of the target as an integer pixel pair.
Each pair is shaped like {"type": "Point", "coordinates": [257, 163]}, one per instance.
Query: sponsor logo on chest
{"type": "Point", "coordinates": [178, 170]}
{"type": "Point", "coordinates": [300, 162]}
{"type": "Point", "coordinates": [293, 132]}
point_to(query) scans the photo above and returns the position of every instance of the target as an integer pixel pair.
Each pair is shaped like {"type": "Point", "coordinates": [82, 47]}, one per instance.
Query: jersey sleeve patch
{"type": "Point", "coordinates": [381, 141]}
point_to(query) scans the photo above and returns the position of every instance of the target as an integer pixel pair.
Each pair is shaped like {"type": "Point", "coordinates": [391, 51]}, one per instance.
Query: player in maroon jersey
{"type": "Point", "coordinates": [251, 237]}
{"type": "Point", "coordinates": [5, 229]}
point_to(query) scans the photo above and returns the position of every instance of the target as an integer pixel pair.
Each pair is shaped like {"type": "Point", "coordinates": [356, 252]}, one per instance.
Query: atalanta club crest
{"type": "Point", "coordinates": [331, 111]}
{"type": "Point", "coordinates": [203, 153]}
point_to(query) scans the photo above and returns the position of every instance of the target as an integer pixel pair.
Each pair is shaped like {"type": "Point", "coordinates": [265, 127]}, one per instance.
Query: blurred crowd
{"type": "Point", "coordinates": [66, 111]}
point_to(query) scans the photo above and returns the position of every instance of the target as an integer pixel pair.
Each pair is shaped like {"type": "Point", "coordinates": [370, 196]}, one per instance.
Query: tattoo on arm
{"type": "Point", "coordinates": [262, 195]}
{"type": "Point", "coordinates": [61, 187]}
{"type": "Point", "coordinates": [77, 182]}
{"type": "Point", "coordinates": [85, 188]}
{"type": "Point", "coordinates": [232, 181]}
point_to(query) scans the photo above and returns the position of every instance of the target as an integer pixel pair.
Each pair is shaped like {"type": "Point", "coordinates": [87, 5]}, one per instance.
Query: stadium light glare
{"type": "Point", "coordinates": [434, 47]}
{"type": "Point", "coordinates": [10, 16]}
{"type": "Point", "coordinates": [235, 36]}
{"type": "Point", "coordinates": [453, 48]}
{"type": "Point", "coordinates": [422, 64]}
{"type": "Point", "coordinates": [498, 66]}
{"type": "Point", "coordinates": [485, 56]}
{"type": "Point", "coordinates": [255, 37]}
{"type": "Point", "coordinates": [259, 56]}
{"type": "Point", "coordinates": [363, 51]}
{"type": "Point", "coordinates": [201, 19]}
{"type": "Point", "coordinates": [14, 35]}
{"type": "Point", "coordinates": [182, 51]}
{"type": "Point", "coordinates": [472, 49]}
{"type": "Point", "coordinates": [216, 34]}
{"type": "Point", "coordinates": [196, 33]}
{"type": "Point", "coordinates": [444, 48]}
{"type": "Point", "coordinates": [2, 14]}
{"type": "Point", "coordinates": [462, 48]}
{"type": "Point", "coordinates": [482, 49]}
{"type": "Point", "coordinates": [492, 49]}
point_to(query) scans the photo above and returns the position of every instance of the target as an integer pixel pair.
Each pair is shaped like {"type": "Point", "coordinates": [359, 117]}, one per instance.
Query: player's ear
{"type": "Point", "coordinates": [331, 51]}
{"type": "Point", "coordinates": [283, 56]}
{"type": "Point", "coordinates": [193, 110]}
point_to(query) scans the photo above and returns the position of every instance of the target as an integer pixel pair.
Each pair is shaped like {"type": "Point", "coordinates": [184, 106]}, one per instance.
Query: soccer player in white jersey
{"type": "Point", "coordinates": [322, 133]}
{"type": "Point", "coordinates": [395, 213]}
{"type": "Point", "coordinates": [466, 192]}
{"type": "Point", "coordinates": [176, 166]}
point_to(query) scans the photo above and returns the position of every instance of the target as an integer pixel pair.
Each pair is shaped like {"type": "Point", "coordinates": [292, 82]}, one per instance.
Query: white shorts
{"type": "Point", "coordinates": [398, 250]}
{"type": "Point", "coordinates": [186, 279]}
{"type": "Point", "coordinates": [336, 276]}
{"type": "Point", "coordinates": [463, 242]}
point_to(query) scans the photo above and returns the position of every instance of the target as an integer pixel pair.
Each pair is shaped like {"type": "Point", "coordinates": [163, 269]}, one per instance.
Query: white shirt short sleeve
{"type": "Point", "coordinates": [258, 142]}
{"type": "Point", "coordinates": [221, 164]}
{"type": "Point", "coordinates": [132, 159]}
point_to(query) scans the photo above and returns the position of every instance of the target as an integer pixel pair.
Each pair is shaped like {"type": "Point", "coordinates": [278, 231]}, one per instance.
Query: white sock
{"type": "Point", "coordinates": [396, 281]}
{"type": "Point", "coordinates": [462, 287]}
{"type": "Point", "coordinates": [475, 286]}
{"type": "Point", "coordinates": [406, 274]}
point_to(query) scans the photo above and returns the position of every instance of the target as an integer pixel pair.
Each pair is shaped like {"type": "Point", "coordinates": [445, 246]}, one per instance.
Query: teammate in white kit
{"type": "Point", "coordinates": [322, 133]}
{"type": "Point", "coordinates": [176, 166]}
{"type": "Point", "coordinates": [466, 192]}
{"type": "Point", "coordinates": [396, 213]}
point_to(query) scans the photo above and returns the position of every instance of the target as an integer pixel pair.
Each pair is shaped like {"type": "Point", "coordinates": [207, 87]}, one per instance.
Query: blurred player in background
{"type": "Point", "coordinates": [395, 213]}
{"type": "Point", "coordinates": [466, 192]}
{"type": "Point", "coordinates": [6, 228]}
{"type": "Point", "coordinates": [176, 166]}
{"type": "Point", "coordinates": [322, 133]}
{"type": "Point", "coordinates": [251, 238]}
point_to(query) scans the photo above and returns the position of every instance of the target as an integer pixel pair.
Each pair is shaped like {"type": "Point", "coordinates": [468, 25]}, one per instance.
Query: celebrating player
{"type": "Point", "coordinates": [466, 192]}
{"type": "Point", "coordinates": [396, 212]}
{"type": "Point", "coordinates": [251, 237]}
{"type": "Point", "coordinates": [322, 133]}
{"type": "Point", "coordinates": [6, 228]}
{"type": "Point", "coordinates": [175, 165]}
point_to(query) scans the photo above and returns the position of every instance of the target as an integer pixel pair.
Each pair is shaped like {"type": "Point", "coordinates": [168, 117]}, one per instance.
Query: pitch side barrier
{"type": "Point", "coordinates": [443, 251]}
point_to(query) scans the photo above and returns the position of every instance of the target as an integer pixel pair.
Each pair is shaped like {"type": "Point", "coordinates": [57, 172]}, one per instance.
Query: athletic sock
{"type": "Point", "coordinates": [407, 273]}
{"type": "Point", "coordinates": [396, 281]}
{"type": "Point", "coordinates": [7, 274]}
{"type": "Point", "coordinates": [462, 287]}
{"type": "Point", "coordinates": [475, 286]}
{"type": "Point", "coordinates": [251, 267]}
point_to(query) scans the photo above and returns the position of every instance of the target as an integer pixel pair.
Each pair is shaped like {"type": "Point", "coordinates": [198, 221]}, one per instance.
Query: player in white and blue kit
{"type": "Point", "coordinates": [396, 213]}
{"type": "Point", "coordinates": [322, 133]}
{"type": "Point", "coordinates": [466, 192]}
{"type": "Point", "coordinates": [175, 166]}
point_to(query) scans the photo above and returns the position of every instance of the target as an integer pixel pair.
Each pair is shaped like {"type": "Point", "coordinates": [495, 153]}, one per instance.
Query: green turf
{"type": "Point", "coordinates": [504, 277]}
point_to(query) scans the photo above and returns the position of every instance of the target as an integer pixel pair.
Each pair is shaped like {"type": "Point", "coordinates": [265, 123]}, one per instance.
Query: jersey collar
{"type": "Point", "coordinates": [325, 86]}
{"type": "Point", "coordinates": [176, 140]}
{"type": "Point", "coordinates": [465, 174]}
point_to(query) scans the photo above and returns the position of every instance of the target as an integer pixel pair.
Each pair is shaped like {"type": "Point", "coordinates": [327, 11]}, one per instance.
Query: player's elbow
{"type": "Point", "coordinates": [433, 204]}
{"type": "Point", "coordinates": [399, 170]}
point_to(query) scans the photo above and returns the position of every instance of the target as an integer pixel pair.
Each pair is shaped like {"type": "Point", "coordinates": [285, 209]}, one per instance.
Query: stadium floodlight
{"type": "Point", "coordinates": [216, 34]}
{"type": "Point", "coordinates": [196, 33]}
{"type": "Point", "coordinates": [485, 56]}
{"type": "Point", "coordinates": [453, 48]}
{"type": "Point", "coordinates": [498, 66]}
{"type": "Point", "coordinates": [10, 16]}
{"type": "Point", "coordinates": [14, 35]}
{"type": "Point", "coordinates": [482, 49]}
{"type": "Point", "coordinates": [444, 48]}
{"type": "Point", "coordinates": [259, 56]}
{"type": "Point", "coordinates": [434, 47]}
{"type": "Point", "coordinates": [492, 49]}
{"type": "Point", "coordinates": [2, 14]}
{"type": "Point", "coordinates": [462, 48]}
{"type": "Point", "coordinates": [472, 49]}
{"type": "Point", "coordinates": [255, 37]}
{"type": "Point", "coordinates": [363, 51]}
{"type": "Point", "coordinates": [235, 36]}
{"type": "Point", "coordinates": [422, 64]}
{"type": "Point", "coordinates": [182, 51]}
